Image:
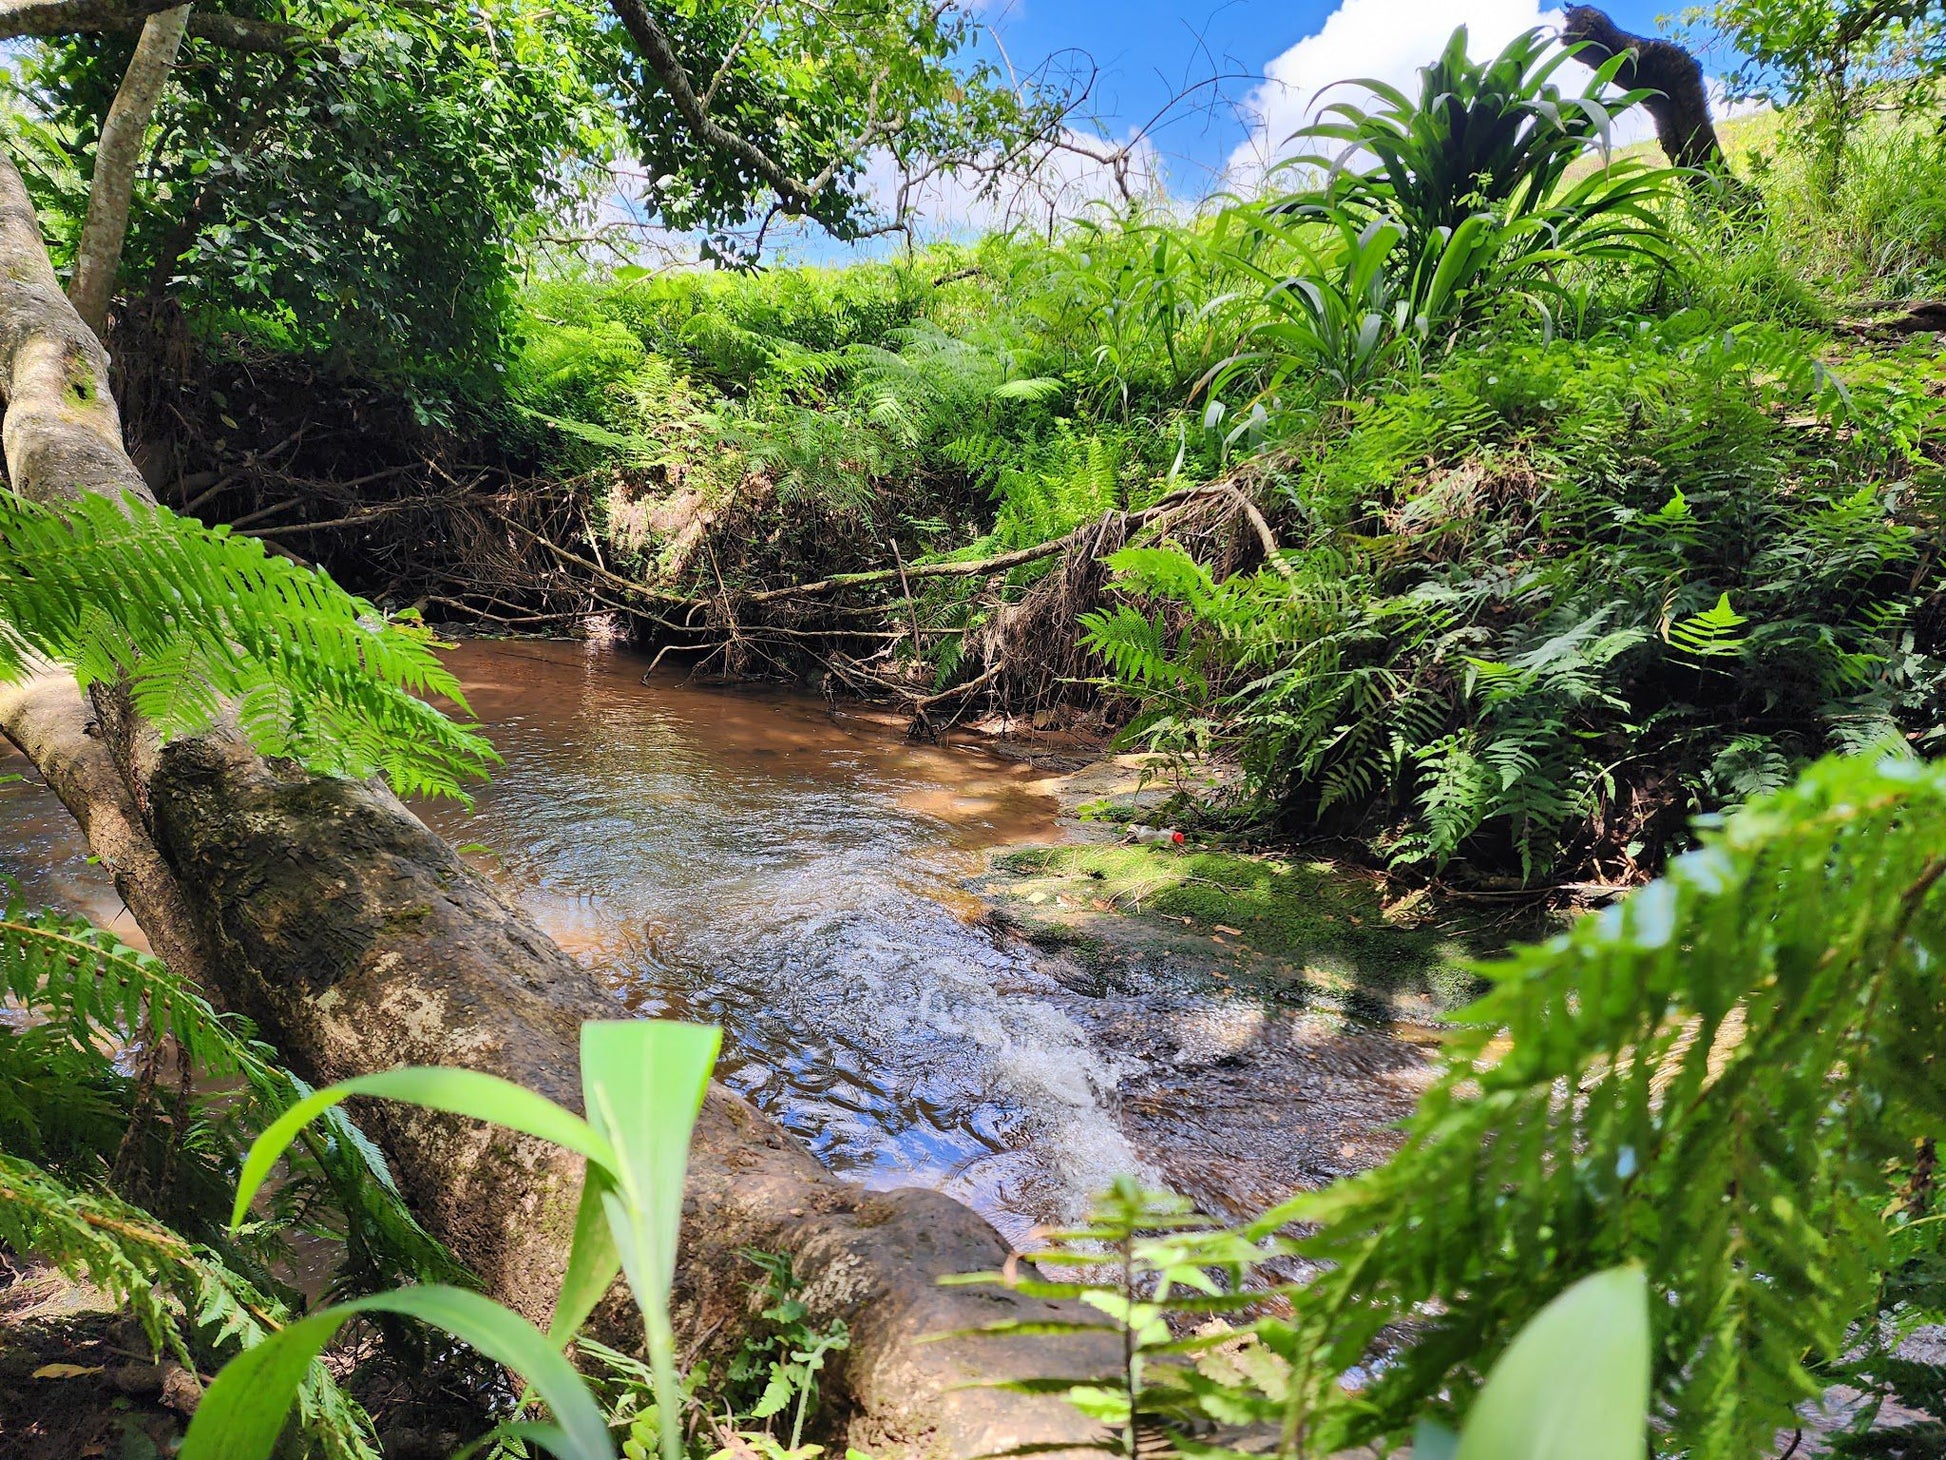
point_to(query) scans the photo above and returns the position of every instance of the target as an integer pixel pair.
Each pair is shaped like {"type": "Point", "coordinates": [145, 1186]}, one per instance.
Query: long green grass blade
{"type": "Point", "coordinates": [644, 1083]}
{"type": "Point", "coordinates": [461, 1092]}
{"type": "Point", "coordinates": [243, 1412]}
{"type": "Point", "coordinates": [593, 1260]}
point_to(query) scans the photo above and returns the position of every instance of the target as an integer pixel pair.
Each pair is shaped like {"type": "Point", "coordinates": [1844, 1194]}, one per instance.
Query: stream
{"type": "Point", "coordinates": [799, 875]}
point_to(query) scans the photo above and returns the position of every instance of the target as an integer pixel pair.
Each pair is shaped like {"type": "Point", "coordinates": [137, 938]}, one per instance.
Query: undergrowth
{"type": "Point", "coordinates": [1582, 531]}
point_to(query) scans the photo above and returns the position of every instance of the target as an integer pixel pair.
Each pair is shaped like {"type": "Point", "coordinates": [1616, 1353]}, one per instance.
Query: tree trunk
{"type": "Point", "coordinates": [98, 260]}
{"type": "Point", "coordinates": [1679, 103]}
{"type": "Point", "coordinates": [358, 941]}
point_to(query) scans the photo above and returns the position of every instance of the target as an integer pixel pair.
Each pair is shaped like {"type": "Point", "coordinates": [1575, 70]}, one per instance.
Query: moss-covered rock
{"type": "Point", "coordinates": [1312, 930]}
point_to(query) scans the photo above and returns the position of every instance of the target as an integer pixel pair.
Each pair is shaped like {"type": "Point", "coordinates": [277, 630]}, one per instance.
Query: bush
{"type": "Point", "coordinates": [1553, 599]}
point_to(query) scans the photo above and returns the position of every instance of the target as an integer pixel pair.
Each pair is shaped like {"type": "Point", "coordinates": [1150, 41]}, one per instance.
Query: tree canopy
{"type": "Point", "coordinates": [363, 180]}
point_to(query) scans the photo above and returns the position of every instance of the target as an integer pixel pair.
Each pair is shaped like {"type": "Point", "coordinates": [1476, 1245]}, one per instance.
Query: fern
{"type": "Point", "coordinates": [1727, 1080]}
{"type": "Point", "coordinates": [1745, 1046]}
{"type": "Point", "coordinates": [194, 618]}
{"type": "Point", "coordinates": [1710, 634]}
{"type": "Point", "coordinates": [169, 1285]}
{"type": "Point", "coordinates": [92, 993]}
{"type": "Point", "coordinates": [1133, 647]}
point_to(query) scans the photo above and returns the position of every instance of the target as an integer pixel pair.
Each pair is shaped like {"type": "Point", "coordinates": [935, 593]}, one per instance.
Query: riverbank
{"type": "Point", "coordinates": [1121, 894]}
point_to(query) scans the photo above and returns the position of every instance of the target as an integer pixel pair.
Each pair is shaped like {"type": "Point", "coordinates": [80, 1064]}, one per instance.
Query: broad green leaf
{"type": "Point", "coordinates": [462, 1092]}
{"type": "Point", "coordinates": [593, 1261]}
{"type": "Point", "coordinates": [1574, 1383]}
{"type": "Point", "coordinates": [1431, 1440]}
{"type": "Point", "coordinates": [644, 1081]}
{"type": "Point", "coordinates": [243, 1412]}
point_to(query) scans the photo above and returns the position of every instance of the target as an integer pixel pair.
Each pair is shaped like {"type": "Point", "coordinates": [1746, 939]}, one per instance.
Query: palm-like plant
{"type": "Point", "coordinates": [1332, 310]}
{"type": "Point", "coordinates": [1498, 135]}
{"type": "Point", "coordinates": [1473, 172]}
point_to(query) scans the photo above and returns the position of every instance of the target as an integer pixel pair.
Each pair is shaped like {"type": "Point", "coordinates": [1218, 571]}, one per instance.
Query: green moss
{"type": "Point", "coordinates": [1329, 925]}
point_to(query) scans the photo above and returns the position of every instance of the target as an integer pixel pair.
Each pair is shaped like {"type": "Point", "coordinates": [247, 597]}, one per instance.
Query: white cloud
{"type": "Point", "coordinates": [1385, 40]}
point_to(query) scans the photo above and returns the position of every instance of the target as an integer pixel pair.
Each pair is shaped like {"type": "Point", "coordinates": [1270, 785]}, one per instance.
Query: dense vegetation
{"type": "Point", "coordinates": [1572, 541]}
{"type": "Point", "coordinates": [1514, 516]}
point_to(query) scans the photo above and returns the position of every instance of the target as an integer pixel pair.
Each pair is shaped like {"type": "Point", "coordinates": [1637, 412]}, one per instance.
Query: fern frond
{"type": "Point", "coordinates": [1711, 634]}
{"type": "Point", "coordinates": [194, 617]}
{"type": "Point", "coordinates": [172, 1287]}
{"type": "Point", "coordinates": [1711, 1079]}
{"type": "Point", "coordinates": [96, 993]}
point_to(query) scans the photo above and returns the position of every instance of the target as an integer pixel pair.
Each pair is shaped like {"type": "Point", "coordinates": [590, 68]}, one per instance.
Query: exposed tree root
{"type": "Point", "coordinates": [412, 516]}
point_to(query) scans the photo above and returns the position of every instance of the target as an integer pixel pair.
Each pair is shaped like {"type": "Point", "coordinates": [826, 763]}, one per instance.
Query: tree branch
{"type": "Point", "coordinates": [125, 17]}
{"type": "Point", "coordinates": [660, 54]}
{"type": "Point", "coordinates": [98, 259]}
{"type": "Point", "coordinates": [1679, 101]}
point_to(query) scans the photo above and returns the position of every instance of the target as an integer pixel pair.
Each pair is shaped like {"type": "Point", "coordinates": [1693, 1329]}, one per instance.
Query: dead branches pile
{"type": "Point", "coordinates": [418, 515]}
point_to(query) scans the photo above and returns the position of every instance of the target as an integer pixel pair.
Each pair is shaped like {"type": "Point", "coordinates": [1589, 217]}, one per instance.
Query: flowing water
{"type": "Point", "coordinates": [799, 876]}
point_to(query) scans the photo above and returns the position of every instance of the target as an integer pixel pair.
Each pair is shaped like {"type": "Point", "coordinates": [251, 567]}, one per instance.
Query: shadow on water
{"type": "Point", "coordinates": [752, 859]}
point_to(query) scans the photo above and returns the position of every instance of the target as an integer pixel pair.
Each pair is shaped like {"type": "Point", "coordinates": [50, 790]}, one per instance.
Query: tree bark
{"type": "Point", "coordinates": [1679, 104]}
{"type": "Point", "coordinates": [98, 260]}
{"type": "Point", "coordinates": [59, 17]}
{"type": "Point", "coordinates": [358, 941]}
{"type": "Point", "coordinates": [126, 17]}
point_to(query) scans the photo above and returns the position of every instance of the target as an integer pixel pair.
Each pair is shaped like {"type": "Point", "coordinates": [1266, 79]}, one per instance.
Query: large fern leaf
{"type": "Point", "coordinates": [1719, 1079]}
{"type": "Point", "coordinates": [169, 1285]}
{"type": "Point", "coordinates": [195, 618]}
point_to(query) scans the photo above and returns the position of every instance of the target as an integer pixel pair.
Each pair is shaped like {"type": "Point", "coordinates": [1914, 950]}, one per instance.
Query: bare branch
{"type": "Point", "coordinates": [729, 56]}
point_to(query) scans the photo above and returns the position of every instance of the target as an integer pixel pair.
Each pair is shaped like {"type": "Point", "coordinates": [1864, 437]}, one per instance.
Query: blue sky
{"type": "Point", "coordinates": [1149, 50]}
{"type": "Point", "coordinates": [1251, 69]}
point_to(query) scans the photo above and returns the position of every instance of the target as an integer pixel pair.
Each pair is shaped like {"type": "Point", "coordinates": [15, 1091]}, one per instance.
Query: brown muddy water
{"type": "Point", "coordinates": [799, 876]}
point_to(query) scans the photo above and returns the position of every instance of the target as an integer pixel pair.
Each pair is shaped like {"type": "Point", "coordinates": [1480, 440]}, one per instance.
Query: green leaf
{"type": "Point", "coordinates": [1431, 1440]}
{"type": "Point", "coordinates": [1574, 1383]}
{"type": "Point", "coordinates": [593, 1260]}
{"type": "Point", "coordinates": [243, 1412]}
{"type": "Point", "coordinates": [644, 1081]}
{"type": "Point", "coordinates": [461, 1092]}
{"type": "Point", "coordinates": [777, 1394]}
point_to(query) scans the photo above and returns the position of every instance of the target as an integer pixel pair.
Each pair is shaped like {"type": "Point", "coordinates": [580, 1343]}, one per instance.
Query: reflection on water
{"type": "Point", "coordinates": [746, 858]}
{"type": "Point", "coordinates": [751, 859]}
{"type": "Point", "coordinates": [42, 853]}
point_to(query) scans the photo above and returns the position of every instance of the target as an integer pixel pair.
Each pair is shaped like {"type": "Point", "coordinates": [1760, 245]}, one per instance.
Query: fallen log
{"type": "Point", "coordinates": [359, 941]}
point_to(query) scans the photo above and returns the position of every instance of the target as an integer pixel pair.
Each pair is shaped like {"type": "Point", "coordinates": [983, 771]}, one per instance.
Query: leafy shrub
{"type": "Point", "coordinates": [1551, 598]}
{"type": "Point", "coordinates": [1474, 174]}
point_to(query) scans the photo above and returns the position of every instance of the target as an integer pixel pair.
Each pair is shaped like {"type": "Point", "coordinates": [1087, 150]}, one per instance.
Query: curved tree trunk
{"type": "Point", "coordinates": [98, 260]}
{"type": "Point", "coordinates": [1679, 103]}
{"type": "Point", "coordinates": [359, 941]}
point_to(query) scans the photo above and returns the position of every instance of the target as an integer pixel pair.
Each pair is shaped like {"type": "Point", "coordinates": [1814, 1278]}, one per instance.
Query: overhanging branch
{"type": "Point", "coordinates": [126, 17]}
{"type": "Point", "coordinates": [652, 41]}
